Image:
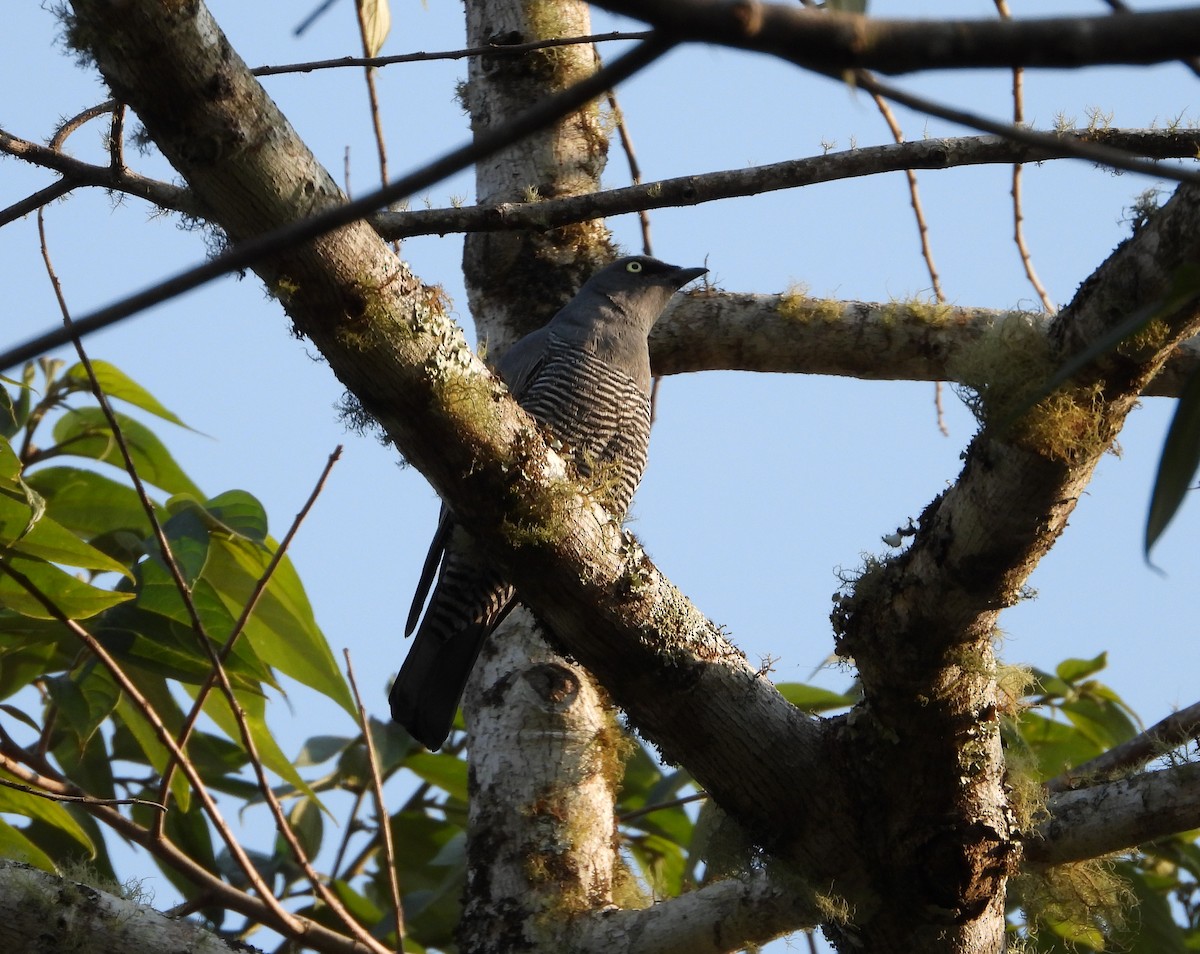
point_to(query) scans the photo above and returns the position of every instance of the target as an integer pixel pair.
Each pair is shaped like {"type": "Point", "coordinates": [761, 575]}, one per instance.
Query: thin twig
{"type": "Point", "coordinates": [68, 126]}
{"type": "Point", "coordinates": [372, 94]}
{"type": "Point", "coordinates": [239, 625]}
{"type": "Point", "coordinates": [81, 799]}
{"type": "Point", "coordinates": [1018, 97]}
{"type": "Point", "coordinates": [492, 49]}
{"type": "Point", "coordinates": [385, 822]}
{"type": "Point", "coordinates": [659, 806]}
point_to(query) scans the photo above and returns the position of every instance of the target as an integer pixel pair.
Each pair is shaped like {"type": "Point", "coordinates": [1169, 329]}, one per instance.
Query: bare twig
{"type": "Point", "coordinates": [372, 93]}
{"type": "Point", "coordinates": [492, 49]}
{"type": "Point", "coordinates": [80, 799]}
{"type": "Point", "coordinates": [947, 153]}
{"type": "Point", "coordinates": [385, 824]}
{"type": "Point", "coordinates": [1018, 97]}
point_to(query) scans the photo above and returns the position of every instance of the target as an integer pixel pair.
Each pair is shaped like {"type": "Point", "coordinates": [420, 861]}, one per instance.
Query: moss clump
{"type": "Point", "coordinates": [1084, 902]}
{"type": "Point", "coordinates": [1147, 341]}
{"type": "Point", "coordinates": [915, 311]}
{"type": "Point", "coordinates": [796, 305]}
{"type": "Point", "coordinates": [1006, 370]}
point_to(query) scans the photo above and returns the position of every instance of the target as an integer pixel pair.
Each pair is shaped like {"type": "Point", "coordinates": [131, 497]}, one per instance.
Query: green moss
{"type": "Point", "coordinates": [1006, 370]}
{"type": "Point", "coordinates": [1141, 345]}
{"type": "Point", "coordinates": [1086, 901]}
{"type": "Point", "coordinates": [915, 311]}
{"type": "Point", "coordinates": [796, 305]}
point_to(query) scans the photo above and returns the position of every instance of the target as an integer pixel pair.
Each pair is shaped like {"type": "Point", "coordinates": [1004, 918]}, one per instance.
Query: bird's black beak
{"type": "Point", "coordinates": [684, 275]}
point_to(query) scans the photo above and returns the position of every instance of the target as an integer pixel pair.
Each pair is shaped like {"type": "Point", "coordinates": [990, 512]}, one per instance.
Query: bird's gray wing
{"type": "Point", "coordinates": [520, 365]}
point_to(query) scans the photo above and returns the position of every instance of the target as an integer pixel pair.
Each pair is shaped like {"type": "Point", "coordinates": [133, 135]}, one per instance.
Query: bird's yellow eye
{"type": "Point", "coordinates": [634, 267]}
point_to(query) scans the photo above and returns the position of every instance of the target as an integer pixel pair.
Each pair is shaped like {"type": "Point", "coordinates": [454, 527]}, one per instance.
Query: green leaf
{"type": "Point", "coordinates": [85, 432]}
{"type": "Point", "coordinates": [321, 748]}
{"type": "Point", "coordinates": [45, 810]}
{"type": "Point", "coordinates": [1178, 464]}
{"type": "Point", "coordinates": [1072, 670]}
{"type": "Point", "coordinates": [115, 383]}
{"type": "Point", "coordinates": [14, 845]}
{"type": "Point", "coordinates": [1105, 724]}
{"type": "Point", "coordinates": [1057, 746]}
{"type": "Point", "coordinates": [149, 744]}
{"type": "Point", "coordinates": [10, 464]}
{"type": "Point", "coordinates": [46, 539]}
{"type": "Point", "coordinates": [282, 629]}
{"type": "Point", "coordinates": [239, 512]}
{"type": "Point", "coordinates": [1156, 930]}
{"type": "Point", "coordinates": [445, 771]}
{"type": "Point", "coordinates": [89, 503]}
{"type": "Point", "coordinates": [813, 699]}
{"type": "Point", "coordinates": [661, 862]}
{"type": "Point", "coordinates": [253, 705]}
{"type": "Point", "coordinates": [85, 699]}
{"type": "Point", "coordinates": [73, 598]}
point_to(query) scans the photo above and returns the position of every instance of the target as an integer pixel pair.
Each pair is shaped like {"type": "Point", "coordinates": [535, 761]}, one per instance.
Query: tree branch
{"type": "Point", "coordinates": [1105, 818]}
{"type": "Point", "coordinates": [720, 917]}
{"type": "Point", "coordinates": [833, 43]}
{"type": "Point", "coordinates": [58, 912]}
{"type": "Point", "coordinates": [879, 341]}
{"type": "Point", "coordinates": [948, 153]}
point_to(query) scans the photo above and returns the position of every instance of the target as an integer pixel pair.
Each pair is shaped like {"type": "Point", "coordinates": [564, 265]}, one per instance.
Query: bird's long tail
{"type": "Point", "coordinates": [468, 602]}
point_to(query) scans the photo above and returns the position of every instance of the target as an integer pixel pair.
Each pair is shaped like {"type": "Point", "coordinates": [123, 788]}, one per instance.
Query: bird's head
{"type": "Point", "coordinates": [639, 286]}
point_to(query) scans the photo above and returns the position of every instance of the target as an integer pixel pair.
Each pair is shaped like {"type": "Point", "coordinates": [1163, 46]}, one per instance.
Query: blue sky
{"type": "Point", "coordinates": [761, 488]}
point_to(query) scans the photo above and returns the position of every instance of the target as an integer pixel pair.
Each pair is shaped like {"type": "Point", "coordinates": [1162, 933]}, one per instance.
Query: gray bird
{"type": "Point", "coordinates": [585, 377]}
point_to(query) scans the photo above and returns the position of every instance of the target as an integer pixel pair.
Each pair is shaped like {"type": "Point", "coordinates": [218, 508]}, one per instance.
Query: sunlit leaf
{"type": "Point", "coordinates": [282, 629]}
{"type": "Point", "coordinates": [48, 540]}
{"type": "Point", "coordinates": [46, 810]}
{"type": "Point", "coordinates": [14, 845]}
{"type": "Point", "coordinates": [1105, 724]}
{"type": "Point", "coordinates": [151, 746]}
{"type": "Point", "coordinates": [241, 513]}
{"type": "Point", "coordinates": [115, 383]}
{"type": "Point", "coordinates": [85, 432]}
{"type": "Point", "coordinates": [445, 771]}
{"type": "Point", "coordinates": [1072, 670]}
{"type": "Point", "coordinates": [85, 699]}
{"type": "Point", "coordinates": [74, 598]}
{"type": "Point", "coordinates": [253, 706]}
{"type": "Point", "coordinates": [1056, 745]}
{"type": "Point", "coordinates": [87, 502]}
{"type": "Point", "coordinates": [813, 698]}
